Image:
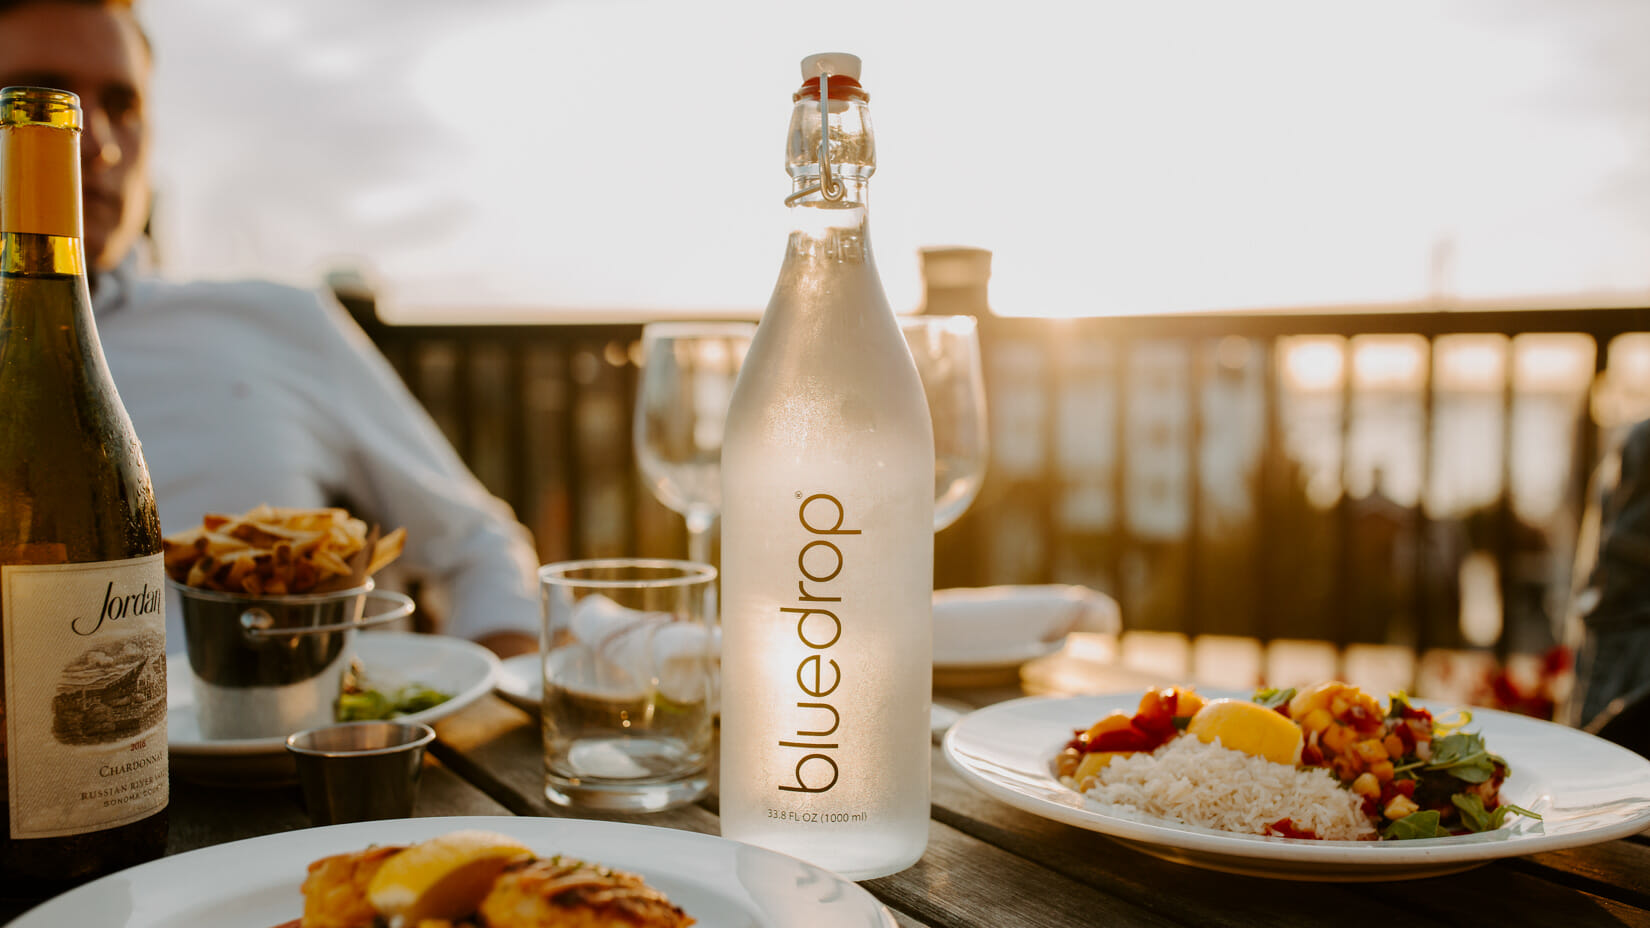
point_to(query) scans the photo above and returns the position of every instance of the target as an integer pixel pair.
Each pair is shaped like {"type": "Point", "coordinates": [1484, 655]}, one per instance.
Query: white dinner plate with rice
{"type": "Point", "coordinates": [1586, 790]}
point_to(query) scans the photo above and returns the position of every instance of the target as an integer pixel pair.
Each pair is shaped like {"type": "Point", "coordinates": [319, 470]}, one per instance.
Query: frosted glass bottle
{"type": "Point", "coordinates": [827, 534]}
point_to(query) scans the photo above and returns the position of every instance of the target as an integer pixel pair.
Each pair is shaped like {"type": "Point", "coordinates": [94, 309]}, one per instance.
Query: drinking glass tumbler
{"type": "Point", "coordinates": [628, 654]}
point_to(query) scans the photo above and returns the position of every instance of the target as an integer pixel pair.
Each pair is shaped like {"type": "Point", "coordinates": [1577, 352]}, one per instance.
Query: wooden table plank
{"type": "Point", "coordinates": [216, 814]}
{"type": "Point", "coordinates": [1618, 870]}
{"type": "Point", "coordinates": [498, 747]}
{"type": "Point", "coordinates": [442, 792]}
{"type": "Point", "coordinates": [1502, 894]}
{"type": "Point", "coordinates": [962, 882]}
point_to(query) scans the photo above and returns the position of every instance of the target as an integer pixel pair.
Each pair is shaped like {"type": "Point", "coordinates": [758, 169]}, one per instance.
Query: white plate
{"type": "Point", "coordinates": [999, 656]}
{"type": "Point", "coordinates": [255, 883]}
{"type": "Point", "coordinates": [1587, 790]}
{"type": "Point", "coordinates": [452, 665]}
{"type": "Point", "coordinates": [1002, 627]}
{"type": "Point", "coordinates": [520, 681]}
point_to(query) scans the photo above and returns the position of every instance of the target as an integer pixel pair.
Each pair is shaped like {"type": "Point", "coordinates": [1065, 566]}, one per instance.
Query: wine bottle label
{"type": "Point", "coordinates": [85, 694]}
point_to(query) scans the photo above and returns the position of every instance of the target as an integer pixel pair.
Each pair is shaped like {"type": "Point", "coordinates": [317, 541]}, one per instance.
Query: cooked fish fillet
{"type": "Point", "coordinates": [335, 892]}
{"type": "Point", "coordinates": [560, 892]}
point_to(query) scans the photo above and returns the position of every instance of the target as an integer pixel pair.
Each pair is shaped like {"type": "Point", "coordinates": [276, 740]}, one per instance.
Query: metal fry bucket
{"type": "Point", "coordinates": [266, 666]}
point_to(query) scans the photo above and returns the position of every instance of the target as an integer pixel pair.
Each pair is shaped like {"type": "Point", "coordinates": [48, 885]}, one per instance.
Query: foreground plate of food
{"type": "Point", "coordinates": [257, 883]}
{"type": "Point", "coordinates": [1584, 789]}
{"type": "Point", "coordinates": [461, 670]}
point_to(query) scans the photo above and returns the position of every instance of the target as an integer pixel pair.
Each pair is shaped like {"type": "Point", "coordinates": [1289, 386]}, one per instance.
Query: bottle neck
{"type": "Point", "coordinates": [828, 258]}
{"type": "Point", "coordinates": [27, 254]}
{"type": "Point", "coordinates": [856, 192]}
{"type": "Point", "coordinates": [40, 212]}
{"type": "Point", "coordinates": [828, 207]}
{"type": "Point", "coordinates": [830, 233]}
{"type": "Point", "coordinates": [830, 152]}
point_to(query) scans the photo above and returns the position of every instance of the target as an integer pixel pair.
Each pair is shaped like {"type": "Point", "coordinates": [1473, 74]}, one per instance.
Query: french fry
{"type": "Point", "coordinates": [237, 566]}
{"type": "Point", "coordinates": [199, 573]}
{"type": "Point", "coordinates": [328, 562]}
{"type": "Point", "coordinates": [271, 550]}
{"type": "Point", "coordinates": [387, 550]}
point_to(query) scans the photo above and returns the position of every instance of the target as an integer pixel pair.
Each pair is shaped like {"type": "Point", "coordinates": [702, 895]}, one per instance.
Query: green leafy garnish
{"type": "Point", "coordinates": [1463, 756]}
{"type": "Point", "coordinates": [1271, 697]}
{"type": "Point", "coordinates": [364, 705]}
{"type": "Point", "coordinates": [1181, 721]}
{"type": "Point", "coordinates": [1422, 824]}
{"type": "Point", "coordinates": [1477, 818]}
{"type": "Point", "coordinates": [418, 698]}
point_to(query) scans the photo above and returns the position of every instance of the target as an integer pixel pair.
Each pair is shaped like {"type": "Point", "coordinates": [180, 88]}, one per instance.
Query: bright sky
{"type": "Point", "coordinates": [493, 158]}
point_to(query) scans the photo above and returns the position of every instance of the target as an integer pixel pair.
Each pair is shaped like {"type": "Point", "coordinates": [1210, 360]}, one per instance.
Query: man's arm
{"type": "Point", "coordinates": [401, 468]}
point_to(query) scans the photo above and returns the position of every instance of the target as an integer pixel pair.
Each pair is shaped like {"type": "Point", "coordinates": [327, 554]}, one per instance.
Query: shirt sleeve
{"type": "Point", "coordinates": [399, 465]}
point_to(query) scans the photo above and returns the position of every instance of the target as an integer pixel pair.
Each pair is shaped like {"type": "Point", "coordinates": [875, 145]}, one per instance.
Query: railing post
{"type": "Point", "coordinates": [1420, 523]}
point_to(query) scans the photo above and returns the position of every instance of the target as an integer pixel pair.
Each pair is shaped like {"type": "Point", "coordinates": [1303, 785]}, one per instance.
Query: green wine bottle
{"type": "Point", "coordinates": [83, 765]}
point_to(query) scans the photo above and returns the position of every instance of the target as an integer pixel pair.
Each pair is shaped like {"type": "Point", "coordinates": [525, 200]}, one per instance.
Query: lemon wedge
{"type": "Point", "coordinates": [444, 877]}
{"type": "Point", "coordinates": [1248, 727]}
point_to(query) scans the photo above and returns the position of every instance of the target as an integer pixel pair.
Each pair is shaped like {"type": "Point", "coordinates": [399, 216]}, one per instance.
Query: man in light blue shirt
{"type": "Point", "coordinates": [248, 392]}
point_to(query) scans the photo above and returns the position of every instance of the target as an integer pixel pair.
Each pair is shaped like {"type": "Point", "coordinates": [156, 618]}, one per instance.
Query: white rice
{"type": "Point", "coordinates": [1194, 783]}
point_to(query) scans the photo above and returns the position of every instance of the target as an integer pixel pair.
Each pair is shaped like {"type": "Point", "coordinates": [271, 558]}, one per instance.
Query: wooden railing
{"type": "Point", "coordinates": [1148, 457]}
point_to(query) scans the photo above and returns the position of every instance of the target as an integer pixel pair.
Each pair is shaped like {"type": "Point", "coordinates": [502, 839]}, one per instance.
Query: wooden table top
{"type": "Point", "coordinates": [989, 865]}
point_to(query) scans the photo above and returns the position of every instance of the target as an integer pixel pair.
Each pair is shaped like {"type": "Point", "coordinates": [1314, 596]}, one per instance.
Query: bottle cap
{"type": "Point", "coordinates": [836, 64]}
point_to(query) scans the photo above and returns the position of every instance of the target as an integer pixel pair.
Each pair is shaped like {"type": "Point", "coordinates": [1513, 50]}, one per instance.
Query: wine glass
{"type": "Point", "coordinates": [688, 372]}
{"type": "Point", "coordinates": [947, 352]}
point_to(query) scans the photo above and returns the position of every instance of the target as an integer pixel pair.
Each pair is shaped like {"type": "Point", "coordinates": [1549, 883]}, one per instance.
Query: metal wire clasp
{"type": "Point", "coordinates": [828, 187]}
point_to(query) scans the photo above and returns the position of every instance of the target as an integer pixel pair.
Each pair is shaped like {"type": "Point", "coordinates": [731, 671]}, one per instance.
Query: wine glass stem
{"type": "Point", "coordinates": [699, 524]}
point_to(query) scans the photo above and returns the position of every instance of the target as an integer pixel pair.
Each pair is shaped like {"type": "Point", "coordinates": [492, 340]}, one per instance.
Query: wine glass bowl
{"type": "Point", "coordinates": [688, 370]}
{"type": "Point", "coordinates": [946, 350]}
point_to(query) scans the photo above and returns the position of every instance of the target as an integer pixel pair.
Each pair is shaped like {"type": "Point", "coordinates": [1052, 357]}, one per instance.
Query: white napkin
{"type": "Point", "coordinates": [617, 653]}
{"type": "Point", "coordinates": [1012, 624]}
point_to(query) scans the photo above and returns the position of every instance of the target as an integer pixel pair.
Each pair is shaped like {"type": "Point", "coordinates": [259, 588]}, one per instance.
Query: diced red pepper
{"type": "Point", "coordinates": [1285, 828]}
{"type": "Point", "coordinates": [1123, 739]}
{"type": "Point", "coordinates": [1156, 713]}
{"type": "Point", "coordinates": [1362, 719]}
{"type": "Point", "coordinates": [1414, 712]}
{"type": "Point", "coordinates": [1151, 726]}
{"type": "Point", "coordinates": [1406, 736]}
